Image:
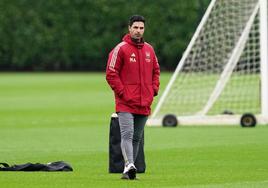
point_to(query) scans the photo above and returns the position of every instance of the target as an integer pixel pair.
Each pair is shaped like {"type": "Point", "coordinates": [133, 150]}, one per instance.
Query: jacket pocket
{"type": "Point", "coordinates": [131, 94]}
{"type": "Point", "coordinates": [148, 95]}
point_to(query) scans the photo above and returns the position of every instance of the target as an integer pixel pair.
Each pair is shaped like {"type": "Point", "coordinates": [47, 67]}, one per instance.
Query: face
{"type": "Point", "coordinates": [136, 30]}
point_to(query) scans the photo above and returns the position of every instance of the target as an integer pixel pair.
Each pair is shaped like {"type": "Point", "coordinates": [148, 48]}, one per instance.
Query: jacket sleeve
{"type": "Point", "coordinates": [156, 75]}
{"type": "Point", "coordinates": [113, 68]}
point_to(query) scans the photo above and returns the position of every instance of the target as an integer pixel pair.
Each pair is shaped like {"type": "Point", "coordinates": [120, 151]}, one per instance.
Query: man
{"type": "Point", "coordinates": [133, 74]}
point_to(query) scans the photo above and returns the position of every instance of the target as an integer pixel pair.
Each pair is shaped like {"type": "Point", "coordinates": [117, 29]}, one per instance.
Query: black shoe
{"type": "Point", "coordinates": [132, 173]}
{"type": "Point", "coordinates": [125, 176]}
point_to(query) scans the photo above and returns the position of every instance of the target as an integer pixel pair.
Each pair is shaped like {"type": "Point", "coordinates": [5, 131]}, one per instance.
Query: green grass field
{"type": "Point", "coordinates": [50, 117]}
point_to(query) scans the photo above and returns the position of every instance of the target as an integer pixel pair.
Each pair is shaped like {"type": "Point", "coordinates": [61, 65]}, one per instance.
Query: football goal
{"type": "Point", "coordinates": [222, 77]}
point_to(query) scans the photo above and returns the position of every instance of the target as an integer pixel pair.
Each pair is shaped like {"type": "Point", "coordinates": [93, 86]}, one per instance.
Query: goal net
{"type": "Point", "coordinates": [222, 72]}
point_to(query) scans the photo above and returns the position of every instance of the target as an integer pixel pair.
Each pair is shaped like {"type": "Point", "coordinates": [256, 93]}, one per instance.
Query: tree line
{"type": "Point", "coordinates": [77, 35]}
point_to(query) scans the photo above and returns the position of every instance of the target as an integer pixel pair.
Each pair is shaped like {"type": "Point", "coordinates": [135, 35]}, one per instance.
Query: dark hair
{"type": "Point", "coordinates": [136, 18]}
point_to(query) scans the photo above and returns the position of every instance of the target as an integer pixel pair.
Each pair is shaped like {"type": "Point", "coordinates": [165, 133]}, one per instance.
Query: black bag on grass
{"type": "Point", "coordinates": [54, 166]}
{"type": "Point", "coordinates": [116, 161]}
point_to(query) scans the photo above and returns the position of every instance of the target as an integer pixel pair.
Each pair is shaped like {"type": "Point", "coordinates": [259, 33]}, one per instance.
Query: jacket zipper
{"type": "Point", "coordinates": [139, 52]}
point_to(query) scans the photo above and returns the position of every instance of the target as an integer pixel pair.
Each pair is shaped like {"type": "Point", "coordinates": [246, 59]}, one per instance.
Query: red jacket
{"type": "Point", "coordinates": [133, 74]}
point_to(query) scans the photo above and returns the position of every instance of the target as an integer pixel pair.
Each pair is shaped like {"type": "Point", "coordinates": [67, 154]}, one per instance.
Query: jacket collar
{"type": "Point", "coordinates": [129, 40]}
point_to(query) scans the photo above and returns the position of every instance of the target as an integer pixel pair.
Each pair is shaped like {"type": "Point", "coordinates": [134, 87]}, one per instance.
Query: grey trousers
{"type": "Point", "coordinates": [131, 129]}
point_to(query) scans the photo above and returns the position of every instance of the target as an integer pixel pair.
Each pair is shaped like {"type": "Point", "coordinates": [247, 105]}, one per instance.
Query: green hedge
{"type": "Point", "coordinates": [66, 35]}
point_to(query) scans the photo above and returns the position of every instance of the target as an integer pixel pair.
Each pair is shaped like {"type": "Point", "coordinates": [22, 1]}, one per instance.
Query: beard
{"type": "Point", "coordinates": [137, 36]}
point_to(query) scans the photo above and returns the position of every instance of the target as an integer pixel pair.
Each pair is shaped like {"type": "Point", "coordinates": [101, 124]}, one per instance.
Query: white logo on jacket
{"type": "Point", "coordinates": [132, 58]}
{"type": "Point", "coordinates": [147, 57]}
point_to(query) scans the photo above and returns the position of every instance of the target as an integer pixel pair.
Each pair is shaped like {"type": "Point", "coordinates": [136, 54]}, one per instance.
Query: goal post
{"type": "Point", "coordinates": [223, 74]}
{"type": "Point", "coordinates": [264, 55]}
